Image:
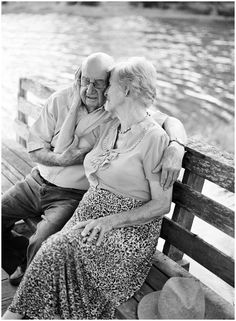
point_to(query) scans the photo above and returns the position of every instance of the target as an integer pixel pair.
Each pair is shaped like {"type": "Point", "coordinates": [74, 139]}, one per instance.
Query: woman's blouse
{"type": "Point", "coordinates": [127, 170]}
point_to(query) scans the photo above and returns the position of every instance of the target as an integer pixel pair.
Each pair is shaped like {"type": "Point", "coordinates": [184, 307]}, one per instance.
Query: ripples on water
{"type": "Point", "coordinates": [194, 60]}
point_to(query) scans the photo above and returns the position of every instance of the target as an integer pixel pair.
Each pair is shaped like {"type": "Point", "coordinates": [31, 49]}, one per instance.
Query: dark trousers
{"type": "Point", "coordinates": [34, 197]}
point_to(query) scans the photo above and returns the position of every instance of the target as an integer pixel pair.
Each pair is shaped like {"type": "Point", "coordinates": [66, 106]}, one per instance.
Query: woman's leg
{"type": "Point", "coordinates": [8, 315]}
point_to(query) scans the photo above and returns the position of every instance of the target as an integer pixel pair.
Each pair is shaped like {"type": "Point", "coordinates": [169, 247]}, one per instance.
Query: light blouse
{"type": "Point", "coordinates": [127, 170]}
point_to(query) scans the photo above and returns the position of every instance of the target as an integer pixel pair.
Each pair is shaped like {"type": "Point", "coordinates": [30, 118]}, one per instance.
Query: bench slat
{"type": "Point", "coordinates": [36, 88]}
{"type": "Point", "coordinates": [202, 252]}
{"type": "Point", "coordinates": [20, 152]}
{"type": "Point", "coordinates": [156, 279]}
{"type": "Point", "coordinates": [21, 129]}
{"type": "Point", "coordinates": [216, 307]}
{"type": "Point", "coordinates": [29, 108]}
{"type": "Point", "coordinates": [210, 163]}
{"type": "Point", "coordinates": [15, 164]}
{"type": "Point", "coordinates": [12, 176]}
{"type": "Point", "coordinates": [128, 310]}
{"type": "Point", "coordinates": [5, 184]}
{"type": "Point", "coordinates": [210, 211]}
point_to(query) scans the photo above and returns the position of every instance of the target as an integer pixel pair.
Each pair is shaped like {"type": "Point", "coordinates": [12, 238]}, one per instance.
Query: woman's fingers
{"type": "Point", "coordinates": [87, 227]}
{"type": "Point", "coordinates": [100, 237]}
{"type": "Point", "coordinates": [96, 230]}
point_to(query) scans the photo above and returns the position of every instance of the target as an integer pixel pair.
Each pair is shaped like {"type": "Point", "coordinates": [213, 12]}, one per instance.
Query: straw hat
{"type": "Point", "coordinates": [180, 298]}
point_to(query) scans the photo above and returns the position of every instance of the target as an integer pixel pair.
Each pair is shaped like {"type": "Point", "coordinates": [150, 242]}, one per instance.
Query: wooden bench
{"type": "Point", "coordinates": [201, 162]}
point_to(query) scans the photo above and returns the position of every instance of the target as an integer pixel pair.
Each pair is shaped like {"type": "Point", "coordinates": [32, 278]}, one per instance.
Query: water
{"type": "Point", "coordinates": [194, 61]}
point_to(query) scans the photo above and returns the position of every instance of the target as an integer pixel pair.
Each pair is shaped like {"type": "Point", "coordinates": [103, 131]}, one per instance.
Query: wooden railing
{"type": "Point", "coordinates": [201, 162]}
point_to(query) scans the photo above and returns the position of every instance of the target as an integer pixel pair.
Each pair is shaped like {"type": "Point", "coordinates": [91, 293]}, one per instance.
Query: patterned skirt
{"type": "Point", "coordinates": [71, 279]}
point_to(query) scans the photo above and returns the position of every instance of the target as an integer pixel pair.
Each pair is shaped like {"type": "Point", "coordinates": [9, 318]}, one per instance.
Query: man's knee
{"type": "Point", "coordinates": [43, 231]}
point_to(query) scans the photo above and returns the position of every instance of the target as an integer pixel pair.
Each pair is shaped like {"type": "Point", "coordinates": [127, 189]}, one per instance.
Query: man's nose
{"type": "Point", "coordinates": [90, 88]}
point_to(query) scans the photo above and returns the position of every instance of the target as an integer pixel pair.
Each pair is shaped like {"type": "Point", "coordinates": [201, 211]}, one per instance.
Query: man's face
{"type": "Point", "coordinates": [93, 85]}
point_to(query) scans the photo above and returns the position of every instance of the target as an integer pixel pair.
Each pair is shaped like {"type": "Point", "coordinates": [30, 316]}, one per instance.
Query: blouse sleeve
{"type": "Point", "coordinates": [154, 145]}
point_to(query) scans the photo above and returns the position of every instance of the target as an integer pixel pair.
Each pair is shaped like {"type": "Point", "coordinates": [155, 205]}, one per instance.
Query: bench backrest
{"type": "Point", "coordinates": [201, 162]}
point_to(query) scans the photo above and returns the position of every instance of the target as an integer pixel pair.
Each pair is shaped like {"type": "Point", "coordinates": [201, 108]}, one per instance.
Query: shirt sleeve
{"type": "Point", "coordinates": [43, 130]}
{"type": "Point", "coordinates": [158, 117]}
{"type": "Point", "coordinates": [154, 147]}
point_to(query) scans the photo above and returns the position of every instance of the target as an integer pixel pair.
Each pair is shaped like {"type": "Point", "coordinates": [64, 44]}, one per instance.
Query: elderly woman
{"type": "Point", "coordinates": [103, 254]}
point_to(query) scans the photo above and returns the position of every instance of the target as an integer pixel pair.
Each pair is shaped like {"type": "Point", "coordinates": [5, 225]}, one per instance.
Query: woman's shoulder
{"type": "Point", "coordinates": [153, 129]}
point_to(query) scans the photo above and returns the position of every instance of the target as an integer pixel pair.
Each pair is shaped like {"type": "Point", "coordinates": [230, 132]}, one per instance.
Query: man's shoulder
{"type": "Point", "coordinates": [158, 116]}
{"type": "Point", "coordinates": [63, 93]}
{"type": "Point", "coordinates": [155, 130]}
{"type": "Point", "coordinates": [61, 98]}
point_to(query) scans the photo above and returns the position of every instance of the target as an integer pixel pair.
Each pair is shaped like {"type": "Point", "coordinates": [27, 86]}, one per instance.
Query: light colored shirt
{"type": "Point", "coordinates": [46, 129]}
{"type": "Point", "coordinates": [127, 170]}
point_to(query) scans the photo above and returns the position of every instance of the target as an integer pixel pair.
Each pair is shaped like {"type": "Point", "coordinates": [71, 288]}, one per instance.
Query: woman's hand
{"type": "Point", "coordinates": [95, 229]}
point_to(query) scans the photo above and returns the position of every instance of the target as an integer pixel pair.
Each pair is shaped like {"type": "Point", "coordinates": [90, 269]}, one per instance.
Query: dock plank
{"type": "Point", "coordinates": [4, 275]}
{"type": "Point", "coordinates": [8, 292]}
{"type": "Point", "coordinates": [5, 184]}
{"type": "Point", "coordinates": [16, 165]}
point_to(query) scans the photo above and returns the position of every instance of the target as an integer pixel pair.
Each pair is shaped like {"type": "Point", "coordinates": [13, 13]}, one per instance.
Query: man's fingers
{"type": "Point", "coordinates": [78, 75]}
{"type": "Point", "coordinates": [175, 177]}
{"type": "Point", "coordinates": [75, 142]}
{"type": "Point", "coordinates": [157, 168]}
{"type": "Point", "coordinates": [163, 176]}
{"type": "Point", "coordinates": [168, 181]}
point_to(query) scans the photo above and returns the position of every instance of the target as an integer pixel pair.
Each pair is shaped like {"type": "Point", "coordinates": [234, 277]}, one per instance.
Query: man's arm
{"type": "Point", "coordinates": [171, 162]}
{"type": "Point", "coordinates": [71, 156]}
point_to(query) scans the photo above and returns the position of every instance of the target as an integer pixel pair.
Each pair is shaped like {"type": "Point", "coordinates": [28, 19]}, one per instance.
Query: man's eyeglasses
{"type": "Point", "coordinates": [97, 83]}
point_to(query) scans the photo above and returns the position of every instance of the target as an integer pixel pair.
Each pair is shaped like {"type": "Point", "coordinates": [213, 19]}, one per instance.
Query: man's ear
{"type": "Point", "coordinates": [78, 74]}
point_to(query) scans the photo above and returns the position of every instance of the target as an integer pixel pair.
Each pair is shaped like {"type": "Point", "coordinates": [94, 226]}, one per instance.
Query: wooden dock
{"type": "Point", "coordinates": [8, 291]}
{"type": "Point", "coordinates": [16, 164]}
{"type": "Point", "coordinates": [201, 162]}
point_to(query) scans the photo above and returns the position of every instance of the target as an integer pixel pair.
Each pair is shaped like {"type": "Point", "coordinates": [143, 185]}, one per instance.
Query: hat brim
{"type": "Point", "coordinates": [148, 306]}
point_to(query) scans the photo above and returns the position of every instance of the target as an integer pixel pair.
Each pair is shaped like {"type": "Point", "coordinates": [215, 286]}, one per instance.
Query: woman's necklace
{"type": "Point", "coordinates": [129, 128]}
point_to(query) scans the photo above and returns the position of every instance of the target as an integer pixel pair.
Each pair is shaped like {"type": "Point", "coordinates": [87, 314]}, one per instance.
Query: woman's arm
{"type": "Point", "coordinates": [157, 207]}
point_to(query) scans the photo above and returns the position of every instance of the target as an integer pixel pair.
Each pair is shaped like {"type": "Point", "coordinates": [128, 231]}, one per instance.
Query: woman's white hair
{"type": "Point", "coordinates": [139, 75]}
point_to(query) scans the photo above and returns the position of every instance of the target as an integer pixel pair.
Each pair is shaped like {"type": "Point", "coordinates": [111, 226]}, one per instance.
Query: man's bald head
{"type": "Point", "coordinates": [100, 59]}
{"type": "Point", "coordinates": [94, 72]}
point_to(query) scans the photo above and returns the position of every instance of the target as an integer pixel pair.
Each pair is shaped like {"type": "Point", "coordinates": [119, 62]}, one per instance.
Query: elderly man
{"type": "Point", "coordinates": [55, 187]}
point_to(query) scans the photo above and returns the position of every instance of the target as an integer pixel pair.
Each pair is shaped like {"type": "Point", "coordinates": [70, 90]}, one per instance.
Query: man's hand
{"type": "Point", "coordinates": [72, 155]}
{"type": "Point", "coordinates": [170, 165]}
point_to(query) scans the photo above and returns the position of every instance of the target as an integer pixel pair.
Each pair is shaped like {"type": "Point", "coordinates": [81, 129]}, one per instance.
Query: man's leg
{"type": "Point", "coordinates": [59, 205]}
{"type": "Point", "coordinates": [19, 202]}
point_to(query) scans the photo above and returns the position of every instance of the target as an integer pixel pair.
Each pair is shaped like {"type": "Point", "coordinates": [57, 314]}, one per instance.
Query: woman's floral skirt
{"type": "Point", "coordinates": [69, 279]}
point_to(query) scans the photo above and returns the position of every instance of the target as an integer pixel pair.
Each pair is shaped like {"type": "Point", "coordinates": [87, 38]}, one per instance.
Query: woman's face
{"type": "Point", "coordinates": [114, 93]}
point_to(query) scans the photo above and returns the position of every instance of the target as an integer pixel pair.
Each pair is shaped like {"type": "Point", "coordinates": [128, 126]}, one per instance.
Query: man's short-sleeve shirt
{"type": "Point", "coordinates": [44, 133]}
